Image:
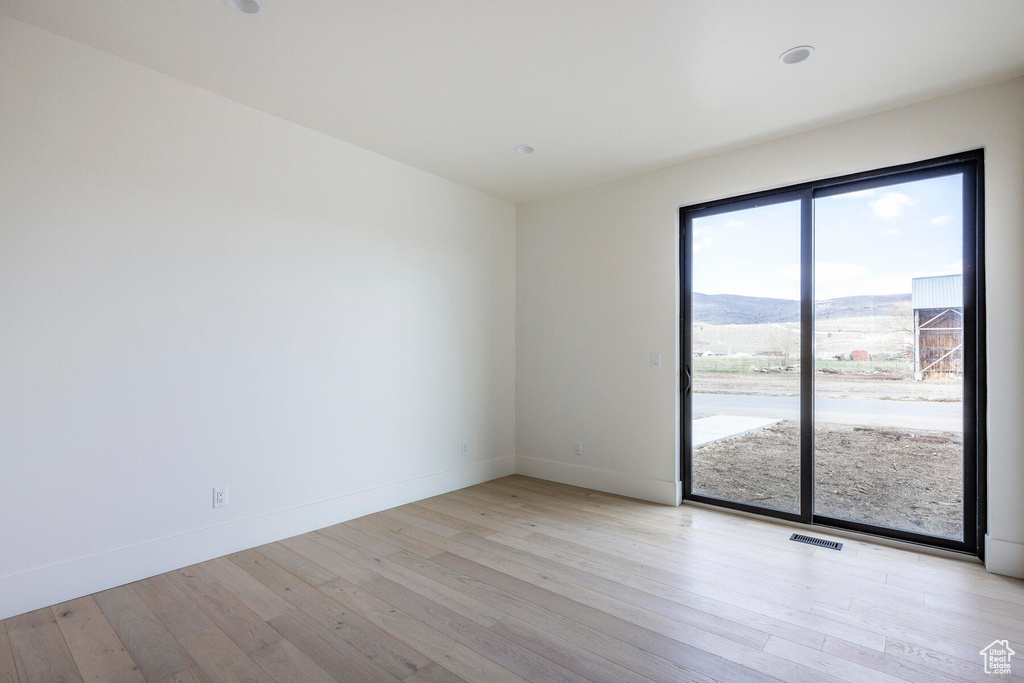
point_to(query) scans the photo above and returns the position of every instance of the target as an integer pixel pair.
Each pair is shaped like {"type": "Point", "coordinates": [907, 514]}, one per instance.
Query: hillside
{"type": "Point", "coordinates": [730, 309]}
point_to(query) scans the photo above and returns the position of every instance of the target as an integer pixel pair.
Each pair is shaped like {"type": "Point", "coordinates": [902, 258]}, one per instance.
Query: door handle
{"type": "Point", "coordinates": [689, 380]}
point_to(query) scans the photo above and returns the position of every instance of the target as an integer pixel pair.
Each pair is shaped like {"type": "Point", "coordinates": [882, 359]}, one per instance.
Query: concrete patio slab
{"type": "Point", "coordinates": [718, 427]}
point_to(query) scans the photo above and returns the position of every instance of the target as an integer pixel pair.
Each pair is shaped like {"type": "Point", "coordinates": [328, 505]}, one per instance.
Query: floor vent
{"type": "Point", "coordinates": [800, 538]}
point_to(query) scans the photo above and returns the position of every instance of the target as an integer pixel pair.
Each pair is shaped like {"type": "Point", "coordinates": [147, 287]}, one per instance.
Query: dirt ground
{"type": "Point", "coordinates": [782, 383]}
{"type": "Point", "coordinates": [906, 479]}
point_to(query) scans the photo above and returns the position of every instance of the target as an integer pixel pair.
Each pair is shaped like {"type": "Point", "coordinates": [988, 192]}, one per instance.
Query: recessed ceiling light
{"type": "Point", "coordinates": [796, 55]}
{"type": "Point", "coordinates": [525, 149]}
{"type": "Point", "coordinates": [246, 6]}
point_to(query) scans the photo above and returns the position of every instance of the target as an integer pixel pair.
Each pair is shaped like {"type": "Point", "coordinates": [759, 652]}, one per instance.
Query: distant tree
{"type": "Point", "coordinates": [899, 328]}
{"type": "Point", "coordinates": [901, 316]}
{"type": "Point", "coordinates": [785, 343]}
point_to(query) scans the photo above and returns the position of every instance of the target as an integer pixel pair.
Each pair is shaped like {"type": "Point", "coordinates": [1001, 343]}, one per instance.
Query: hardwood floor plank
{"type": "Point", "coordinates": [310, 572]}
{"type": "Point", "coordinates": [709, 583]}
{"type": "Point", "coordinates": [149, 643]}
{"type": "Point", "coordinates": [463, 630]}
{"type": "Point", "coordinates": [624, 653]}
{"type": "Point", "coordinates": [468, 607]}
{"type": "Point", "coordinates": [474, 516]}
{"type": "Point", "coordinates": [8, 669]}
{"type": "Point", "coordinates": [902, 633]}
{"type": "Point", "coordinates": [98, 652]}
{"type": "Point", "coordinates": [253, 594]}
{"type": "Point", "coordinates": [40, 653]}
{"type": "Point", "coordinates": [397, 657]}
{"type": "Point", "coordinates": [950, 627]}
{"type": "Point", "coordinates": [423, 518]}
{"type": "Point", "coordinates": [220, 659]}
{"type": "Point", "coordinates": [707, 621]}
{"type": "Point", "coordinates": [684, 654]}
{"type": "Point", "coordinates": [904, 669]}
{"type": "Point", "coordinates": [768, 551]}
{"type": "Point", "coordinates": [587, 664]}
{"type": "Point", "coordinates": [698, 566]}
{"type": "Point", "coordinates": [379, 546]}
{"type": "Point", "coordinates": [287, 664]}
{"type": "Point", "coordinates": [452, 654]}
{"type": "Point", "coordinates": [994, 611]}
{"type": "Point", "coordinates": [193, 675]}
{"type": "Point", "coordinates": [425, 508]}
{"type": "Point", "coordinates": [660, 596]}
{"type": "Point", "coordinates": [648, 553]}
{"type": "Point", "coordinates": [173, 608]}
{"type": "Point", "coordinates": [436, 645]}
{"type": "Point", "coordinates": [232, 617]}
{"type": "Point", "coordinates": [371, 526]}
{"type": "Point", "coordinates": [826, 663]}
{"type": "Point", "coordinates": [751, 555]}
{"type": "Point", "coordinates": [434, 673]}
{"type": "Point", "coordinates": [333, 654]}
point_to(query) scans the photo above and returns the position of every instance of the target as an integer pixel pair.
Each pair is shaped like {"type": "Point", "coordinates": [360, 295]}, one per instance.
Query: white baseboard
{"type": "Point", "coordinates": [620, 483]}
{"type": "Point", "coordinates": [36, 588]}
{"type": "Point", "coordinates": [1004, 557]}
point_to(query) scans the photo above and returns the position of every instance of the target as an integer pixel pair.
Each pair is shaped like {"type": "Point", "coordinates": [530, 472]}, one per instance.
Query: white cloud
{"type": "Point", "coordinates": [712, 230]}
{"type": "Point", "coordinates": [941, 220]}
{"type": "Point", "coordinates": [705, 243]}
{"type": "Point", "coordinates": [734, 224]}
{"type": "Point", "coordinates": [891, 204]}
{"type": "Point", "coordinates": [889, 233]}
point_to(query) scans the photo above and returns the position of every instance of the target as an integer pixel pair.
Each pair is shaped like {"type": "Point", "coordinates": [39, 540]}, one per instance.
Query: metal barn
{"type": "Point", "coordinates": [938, 304]}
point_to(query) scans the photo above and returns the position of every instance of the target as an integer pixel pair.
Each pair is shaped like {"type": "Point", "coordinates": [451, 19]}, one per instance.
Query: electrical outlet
{"type": "Point", "coordinates": [220, 497]}
{"type": "Point", "coordinates": [656, 360]}
{"type": "Point", "coordinates": [465, 448]}
{"type": "Point", "coordinates": [577, 448]}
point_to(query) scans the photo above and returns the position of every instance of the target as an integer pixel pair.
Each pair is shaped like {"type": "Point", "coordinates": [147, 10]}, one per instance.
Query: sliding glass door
{"type": "Point", "coordinates": [832, 370]}
{"type": "Point", "coordinates": [745, 355]}
{"type": "Point", "coordinates": [889, 357]}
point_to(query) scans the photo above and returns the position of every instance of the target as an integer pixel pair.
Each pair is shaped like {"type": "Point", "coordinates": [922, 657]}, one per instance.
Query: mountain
{"type": "Point", "coordinates": [731, 309]}
{"type": "Point", "coordinates": [860, 306]}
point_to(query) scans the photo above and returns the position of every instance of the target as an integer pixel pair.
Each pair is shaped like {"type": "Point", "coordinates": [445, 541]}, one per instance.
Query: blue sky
{"type": "Point", "coordinates": [871, 242]}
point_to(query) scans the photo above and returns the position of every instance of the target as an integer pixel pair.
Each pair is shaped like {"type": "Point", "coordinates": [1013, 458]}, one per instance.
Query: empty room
{"type": "Point", "coordinates": [491, 340]}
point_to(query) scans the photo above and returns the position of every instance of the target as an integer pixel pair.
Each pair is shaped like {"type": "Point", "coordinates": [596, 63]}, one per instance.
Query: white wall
{"type": "Point", "coordinates": [598, 293]}
{"type": "Point", "coordinates": [194, 293]}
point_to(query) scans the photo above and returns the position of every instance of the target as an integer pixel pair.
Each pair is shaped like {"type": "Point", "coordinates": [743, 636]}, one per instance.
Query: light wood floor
{"type": "Point", "coordinates": [524, 579]}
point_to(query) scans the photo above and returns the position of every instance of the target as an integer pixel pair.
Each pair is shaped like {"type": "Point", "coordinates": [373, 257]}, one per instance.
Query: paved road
{"type": "Point", "coordinates": [947, 417]}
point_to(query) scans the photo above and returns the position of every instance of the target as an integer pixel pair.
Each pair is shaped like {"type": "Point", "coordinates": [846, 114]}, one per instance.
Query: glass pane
{"type": "Point", "coordinates": [746, 356]}
{"type": "Point", "coordinates": [889, 357]}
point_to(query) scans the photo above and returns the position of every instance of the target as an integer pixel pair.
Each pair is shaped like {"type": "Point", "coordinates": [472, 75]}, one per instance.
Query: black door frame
{"type": "Point", "coordinates": [971, 165]}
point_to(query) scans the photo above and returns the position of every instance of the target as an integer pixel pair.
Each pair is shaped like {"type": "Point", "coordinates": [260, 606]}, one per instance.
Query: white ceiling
{"type": "Point", "coordinates": [602, 88]}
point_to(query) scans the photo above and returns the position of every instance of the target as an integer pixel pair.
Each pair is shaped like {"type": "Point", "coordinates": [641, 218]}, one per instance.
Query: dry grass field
{"type": "Point", "coordinates": [764, 359]}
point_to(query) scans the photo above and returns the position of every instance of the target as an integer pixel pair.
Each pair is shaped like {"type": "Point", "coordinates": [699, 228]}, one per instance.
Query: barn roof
{"type": "Point", "coordinates": [942, 291]}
